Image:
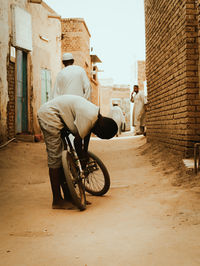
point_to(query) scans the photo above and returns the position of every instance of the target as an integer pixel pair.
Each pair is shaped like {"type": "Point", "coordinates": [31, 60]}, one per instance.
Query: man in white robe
{"type": "Point", "coordinates": [139, 113]}
{"type": "Point", "coordinates": [117, 115]}
{"type": "Point", "coordinates": [72, 79]}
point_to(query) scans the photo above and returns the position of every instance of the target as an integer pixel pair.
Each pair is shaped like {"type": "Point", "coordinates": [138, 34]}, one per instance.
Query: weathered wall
{"type": "Point", "coordinates": [11, 103]}
{"type": "Point", "coordinates": [4, 34]}
{"type": "Point", "coordinates": [6, 81]}
{"type": "Point", "coordinates": [141, 74]}
{"type": "Point", "coordinates": [95, 91]}
{"type": "Point", "coordinates": [4, 38]}
{"type": "Point", "coordinates": [76, 40]}
{"type": "Point", "coordinates": [172, 73]}
{"type": "Point", "coordinates": [46, 54]}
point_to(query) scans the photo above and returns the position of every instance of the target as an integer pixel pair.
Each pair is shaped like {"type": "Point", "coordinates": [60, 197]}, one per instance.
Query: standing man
{"type": "Point", "coordinates": [139, 113]}
{"type": "Point", "coordinates": [72, 79]}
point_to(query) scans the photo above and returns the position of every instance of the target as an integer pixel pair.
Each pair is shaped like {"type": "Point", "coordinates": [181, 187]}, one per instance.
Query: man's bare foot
{"type": "Point", "coordinates": [63, 205]}
{"type": "Point", "coordinates": [88, 202]}
{"type": "Point", "coordinates": [71, 201]}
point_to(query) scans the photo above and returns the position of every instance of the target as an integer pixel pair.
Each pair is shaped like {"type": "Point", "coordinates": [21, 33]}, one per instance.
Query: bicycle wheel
{"type": "Point", "coordinates": [75, 184]}
{"type": "Point", "coordinates": [97, 181]}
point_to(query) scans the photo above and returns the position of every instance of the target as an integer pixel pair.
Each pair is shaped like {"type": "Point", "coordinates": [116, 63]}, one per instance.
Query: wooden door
{"type": "Point", "coordinates": [21, 95]}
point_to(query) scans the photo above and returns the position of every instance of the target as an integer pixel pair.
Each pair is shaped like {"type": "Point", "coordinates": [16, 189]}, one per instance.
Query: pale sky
{"type": "Point", "coordinates": [117, 33]}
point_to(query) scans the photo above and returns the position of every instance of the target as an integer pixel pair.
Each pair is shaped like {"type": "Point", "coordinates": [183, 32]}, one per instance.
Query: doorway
{"type": "Point", "coordinates": [21, 101]}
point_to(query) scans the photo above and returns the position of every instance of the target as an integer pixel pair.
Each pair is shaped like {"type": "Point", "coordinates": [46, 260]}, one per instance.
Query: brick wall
{"type": "Point", "coordinates": [141, 74]}
{"type": "Point", "coordinates": [11, 102]}
{"type": "Point", "coordinates": [76, 40]}
{"type": "Point", "coordinates": [173, 116]}
{"type": "Point", "coordinates": [95, 92]}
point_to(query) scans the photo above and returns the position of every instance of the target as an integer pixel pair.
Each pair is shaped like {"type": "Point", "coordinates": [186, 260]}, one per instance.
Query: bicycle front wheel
{"type": "Point", "coordinates": [97, 181]}
{"type": "Point", "coordinates": [74, 182]}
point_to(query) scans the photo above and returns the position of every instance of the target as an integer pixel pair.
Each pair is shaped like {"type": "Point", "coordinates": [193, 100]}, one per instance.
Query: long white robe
{"type": "Point", "coordinates": [72, 80]}
{"type": "Point", "coordinates": [117, 115]}
{"type": "Point", "coordinates": [139, 100]}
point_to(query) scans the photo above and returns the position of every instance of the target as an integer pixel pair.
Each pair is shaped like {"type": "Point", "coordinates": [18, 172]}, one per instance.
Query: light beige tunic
{"type": "Point", "coordinates": [78, 114]}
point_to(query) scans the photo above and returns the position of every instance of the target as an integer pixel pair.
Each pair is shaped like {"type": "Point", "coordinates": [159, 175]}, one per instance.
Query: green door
{"type": "Point", "coordinates": [45, 85]}
{"type": "Point", "coordinates": [21, 105]}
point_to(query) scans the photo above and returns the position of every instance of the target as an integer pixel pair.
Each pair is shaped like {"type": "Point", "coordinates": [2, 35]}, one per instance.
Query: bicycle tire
{"type": "Point", "coordinates": [92, 181]}
{"type": "Point", "coordinates": [76, 187]}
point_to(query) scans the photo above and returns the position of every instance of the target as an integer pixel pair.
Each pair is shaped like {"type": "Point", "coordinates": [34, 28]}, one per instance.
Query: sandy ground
{"type": "Point", "coordinates": [150, 216]}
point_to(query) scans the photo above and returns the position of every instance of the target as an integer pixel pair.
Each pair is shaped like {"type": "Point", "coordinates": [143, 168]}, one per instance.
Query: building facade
{"type": "Point", "coordinates": [30, 59]}
{"type": "Point", "coordinates": [33, 38]}
{"type": "Point", "coordinates": [172, 71]}
{"type": "Point", "coordinates": [45, 56]}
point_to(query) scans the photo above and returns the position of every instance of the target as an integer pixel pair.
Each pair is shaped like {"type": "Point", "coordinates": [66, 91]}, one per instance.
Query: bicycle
{"type": "Point", "coordinates": [94, 179]}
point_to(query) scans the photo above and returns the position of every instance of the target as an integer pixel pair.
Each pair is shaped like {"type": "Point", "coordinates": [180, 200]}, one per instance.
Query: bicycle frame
{"type": "Point", "coordinates": [65, 132]}
{"type": "Point", "coordinates": [81, 180]}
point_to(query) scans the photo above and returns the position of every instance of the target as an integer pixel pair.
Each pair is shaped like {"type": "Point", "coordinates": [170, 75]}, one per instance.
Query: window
{"type": "Point", "coordinates": [45, 85]}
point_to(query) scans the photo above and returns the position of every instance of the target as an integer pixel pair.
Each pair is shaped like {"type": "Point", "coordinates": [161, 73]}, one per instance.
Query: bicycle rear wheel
{"type": "Point", "coordinates": [97, 180]}
{"type": "Point", "coordinates": [74, 182]}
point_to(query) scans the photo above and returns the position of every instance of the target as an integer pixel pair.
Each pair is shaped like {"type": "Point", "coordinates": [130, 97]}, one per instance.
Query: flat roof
{"type": "Point", "coordinates": [95, 58]}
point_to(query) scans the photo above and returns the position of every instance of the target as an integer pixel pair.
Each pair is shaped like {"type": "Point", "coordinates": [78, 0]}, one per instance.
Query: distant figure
{"type": "Point", "coordinates": [72, 79]}
{"type": "Point", "coordinates": [139, 110]}
{"type": "Point", "coordinates": [117, 115]}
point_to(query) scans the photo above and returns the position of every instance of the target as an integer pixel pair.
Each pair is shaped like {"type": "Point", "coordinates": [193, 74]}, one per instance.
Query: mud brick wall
{"type": "Point", "coordinates": [141, 74]}
{"type": "Point", "coordinates": [76, 39]}
{"type": "Point", "coordinates": [11, 102]}
{"type": "Point", "coordinates": [172, 58]}
{"type": "Point", "coordinates": [94, 92]}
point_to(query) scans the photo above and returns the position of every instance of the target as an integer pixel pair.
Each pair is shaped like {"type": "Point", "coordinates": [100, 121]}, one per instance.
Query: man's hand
{"type": "Point", "coordinates": [132, 99]}
{"type": "Point", "coordinates": [82, 148]}
{"type": "Point", "coordinates": [84, 160]}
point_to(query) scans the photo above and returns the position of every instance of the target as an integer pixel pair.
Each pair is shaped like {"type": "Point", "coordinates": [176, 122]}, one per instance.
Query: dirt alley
{"type": "Point", "coordinates": [143, 219]}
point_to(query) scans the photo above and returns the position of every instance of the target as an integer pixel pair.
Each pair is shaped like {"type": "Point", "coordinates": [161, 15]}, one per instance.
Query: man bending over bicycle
{"type": "Point", "coordinates": [82, 118]}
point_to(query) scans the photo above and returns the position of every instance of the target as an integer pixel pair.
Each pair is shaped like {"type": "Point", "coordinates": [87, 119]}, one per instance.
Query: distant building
{"type": "Point", "coordinates": [139, 75]}
{"type": "Point", "coordinates": [112, 93]}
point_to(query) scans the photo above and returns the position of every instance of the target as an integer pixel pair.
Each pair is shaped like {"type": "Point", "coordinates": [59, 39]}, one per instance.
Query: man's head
{"type": "Point", "coordinates": [67, 59]}
{"type": "Point", "coordinates": [105, 128]}
{"type": "Point", "coordinates": [135, 88]}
